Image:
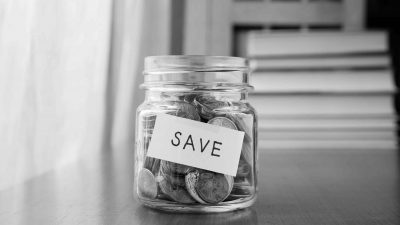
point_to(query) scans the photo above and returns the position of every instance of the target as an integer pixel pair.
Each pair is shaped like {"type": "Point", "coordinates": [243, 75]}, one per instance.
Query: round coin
{"type": "Point", "coordinates": [190, 97]}
{"type": "Point", "coordinates": [244, 123]}
{"type": "Point", "coordinates": [223, 122]}
{"type": "Point", "coordinates": [176, 193]}
{"type": "Point", "coordinates": [206, 105]}
{"type": "Point", "coordinates": [214, 187]}
{"type": "Point", "coordinates": [191, 180]}
{"type": "Point", "coordinates": [186, 110]}
{"type": "Point", "coordinates": [174, 168]}
{"type": "Point", "coordinates": [173, 178]}
{"type": "Point", "coordinates": [209, 102]}
{"type": "Point", "coordinates": [147, 186]}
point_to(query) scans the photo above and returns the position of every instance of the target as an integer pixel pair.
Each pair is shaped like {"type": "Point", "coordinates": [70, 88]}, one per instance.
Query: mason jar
{"type": "Point", "coordinates": [196, 135]}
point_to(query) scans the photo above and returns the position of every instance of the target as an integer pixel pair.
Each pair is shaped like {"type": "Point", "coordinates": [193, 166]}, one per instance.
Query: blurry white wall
{"type": "Point", "coordinates": [69, 72]}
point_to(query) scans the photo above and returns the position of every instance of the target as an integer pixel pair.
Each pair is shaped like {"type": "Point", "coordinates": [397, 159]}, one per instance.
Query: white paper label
{"type": "Point", "coordinates": [196, 144]}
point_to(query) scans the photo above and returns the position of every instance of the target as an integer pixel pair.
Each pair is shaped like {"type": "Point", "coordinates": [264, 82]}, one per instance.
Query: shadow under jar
{"type": "Point", "coordinates": [205, 89]}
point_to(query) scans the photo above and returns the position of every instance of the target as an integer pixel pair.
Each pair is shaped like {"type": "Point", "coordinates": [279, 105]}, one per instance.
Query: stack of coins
{"type": "Point", "coordinates": [160, 179]}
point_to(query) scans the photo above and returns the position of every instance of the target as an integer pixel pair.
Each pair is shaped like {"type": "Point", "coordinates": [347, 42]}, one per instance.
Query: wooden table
{"type": "Point", "coordinates": [295, 187]}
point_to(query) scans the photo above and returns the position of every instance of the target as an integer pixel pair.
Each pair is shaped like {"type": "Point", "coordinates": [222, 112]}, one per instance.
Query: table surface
{"type": "Point", "coordinates": [295, 187]}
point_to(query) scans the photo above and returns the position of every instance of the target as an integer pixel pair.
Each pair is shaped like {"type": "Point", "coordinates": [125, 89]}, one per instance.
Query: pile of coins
{"type": "Point", "coordinates": [164, 180]}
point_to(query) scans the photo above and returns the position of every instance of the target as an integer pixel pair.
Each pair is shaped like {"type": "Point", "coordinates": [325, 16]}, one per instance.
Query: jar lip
{"type": "Point", "coordinates": [195, 63]}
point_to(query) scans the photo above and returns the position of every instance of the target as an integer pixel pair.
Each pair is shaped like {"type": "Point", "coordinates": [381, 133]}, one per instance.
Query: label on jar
{"type": "Point", "coordinates": [196, 144]}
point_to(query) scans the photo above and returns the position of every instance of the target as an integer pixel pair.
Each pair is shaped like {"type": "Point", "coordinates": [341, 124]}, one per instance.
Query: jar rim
{"type": "Point", "coordinates": [205, 72]}
{"type": "Point", "coordinates": [199, 63]}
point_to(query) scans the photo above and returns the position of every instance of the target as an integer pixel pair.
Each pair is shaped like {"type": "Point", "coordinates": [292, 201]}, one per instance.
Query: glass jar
{"type": "Point", "coordinates": [211, 92]}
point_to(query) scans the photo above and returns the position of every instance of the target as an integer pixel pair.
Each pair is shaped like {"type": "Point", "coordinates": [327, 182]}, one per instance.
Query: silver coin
{"type": "Point", "coordinates": [176, 193]}
{"type": "Point", "coordinates": [184, 110]}
{"type": "Point", "coordinates": [243, 124]}
{"type": "Point", "coordinates": [213, 187]}
{"type": "Point", "coordinates": [174, 178]}
{"type": "Point", "coordinates": [246, 125]}
{"type": "Point", "coordinates": [206, 114]}
{"type": "Point", "coordinates": [174, 168]}
{"type": "Point", "coordinates": [209, 102]}
{"type": "Point", "coordinates": [188, 112]}
{"type": "Point", "coordinates": [223, 122]}
{"type": "Point", "coordinates": [207, 105]}
{"type": "Point", "coordinates": [147, 186]}
{"type": "Point", "coordinates": [191, 181]}
{"type": "Point", "coordinates": [152, 164]}
{"type": "Point", "coordinates": [190, 98]}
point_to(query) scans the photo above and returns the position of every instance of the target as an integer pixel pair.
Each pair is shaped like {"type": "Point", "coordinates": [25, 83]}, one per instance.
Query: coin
{"type": "Point", "coordinates": [190, 97]}
{"type": "Point", "coordinates": [152, 164]}
{"type": "Point", "coordinates": [246, 152]}
{"type": "Point", "coordinates": [176, 193]}
{"type": "Point", "coordinates": [147, 186]}
{"type": "Point", "coordinates": [173, 178]}
{"type": "Point", "coordinates": [214, 187]}
{"type": "Point", "coordinates": [186, 110]}
{"type": "Point", "coordinates": [244, 124]}
{"type": "Point", "coordinates": [223, 122]}
{"type": "Point", "coordinates": [209, 102]}
{"type": "Point", "coordinates": [172, 168]}
{"type": "Point", "coordinates": [191, 180]}
{"type": "Point", "coordinates": [206, 105]}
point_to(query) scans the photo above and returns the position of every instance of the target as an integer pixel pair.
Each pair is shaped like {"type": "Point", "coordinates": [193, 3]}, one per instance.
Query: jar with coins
{"type": "Point", "coordinates": [196, 135]}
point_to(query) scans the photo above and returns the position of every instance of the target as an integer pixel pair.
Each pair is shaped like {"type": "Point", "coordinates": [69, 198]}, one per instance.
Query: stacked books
{"type": "Point", "coordinates": [323, 90]}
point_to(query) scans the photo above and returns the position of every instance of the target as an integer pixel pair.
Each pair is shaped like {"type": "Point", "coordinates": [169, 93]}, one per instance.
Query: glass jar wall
{"type": "Point", "coordinates": [206, 89]}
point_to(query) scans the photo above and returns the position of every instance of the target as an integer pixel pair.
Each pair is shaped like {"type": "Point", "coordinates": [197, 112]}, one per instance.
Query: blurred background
{"type": "Point", "coordinates": [325, 71]}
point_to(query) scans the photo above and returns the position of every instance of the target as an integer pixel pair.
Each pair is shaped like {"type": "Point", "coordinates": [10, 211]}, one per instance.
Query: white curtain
{"type": "Point", "coordinates": [69, 72]}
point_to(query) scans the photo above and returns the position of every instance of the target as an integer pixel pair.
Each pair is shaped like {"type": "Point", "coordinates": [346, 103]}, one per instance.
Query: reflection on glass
{"type": "Point", "coordinates": [246, 216]}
